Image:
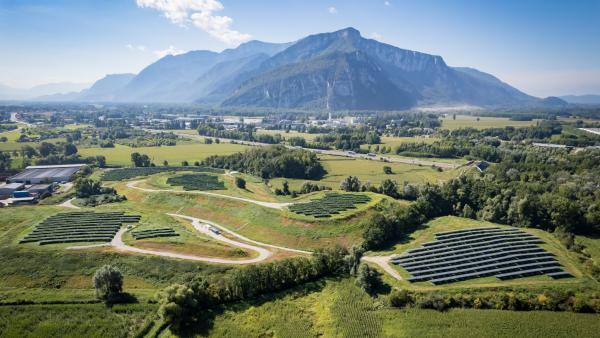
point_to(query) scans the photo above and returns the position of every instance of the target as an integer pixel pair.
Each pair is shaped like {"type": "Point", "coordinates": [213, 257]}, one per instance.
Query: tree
{"type": "Point", "coordinates": [286, 188]}
{"type": "Point", "coordinates": [46, 149]}
{"type": "Point", "coordinates": [185, 163]}
{"type": "Point", "coordinates": [4, 161]}
{"type": "Point", "coordinates": [108, 282]}
{"type": "Point", "coordinates": [208, 140]}
{"type": "Point", "coordinates": [387, 170]}
{"type": "Point", "coordinates": [165, 163]}
{"type": "Point", "coordinates": [350, 183]}
{"type": "Point", "coordinates": [101, 161]}
{"type": "Point", "coordinates": [29, 151]}
{"type": "Point", "coordinates": [368, 279]}
{"type": "Point", "coordinates": [70, 149]}
{"type": "Point", "coordinates": [140, 160]}
{"type": "Point", "coordinates": [353, 259]}
{"type": "Point", "coordinates": [240, 183]}
{"type": "Point", "coordinates": [179, 307]}
{"type": "Point", "coordinates": [389, 188]}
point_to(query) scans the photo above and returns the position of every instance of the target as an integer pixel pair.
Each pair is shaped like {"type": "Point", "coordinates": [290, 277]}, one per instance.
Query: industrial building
{"type": "Point", "coordinates": [7, 190]}
{"type": "Point", "coordinates": [46, 174]}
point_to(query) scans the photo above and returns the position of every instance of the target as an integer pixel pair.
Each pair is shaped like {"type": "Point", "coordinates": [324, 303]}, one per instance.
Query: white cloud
{"type": "Point", "coordinates": [200, 13]}
{"type": "Point", "coordinates": [376, 36]}
{"type": "Point", "coordinates": [140, 48]}
{"type": "Point", "coordinates": [169, 51]}
{"type": "Point", "coordinates": [387, 3]}
{"type": "Point", "coordinates": [332, 10]}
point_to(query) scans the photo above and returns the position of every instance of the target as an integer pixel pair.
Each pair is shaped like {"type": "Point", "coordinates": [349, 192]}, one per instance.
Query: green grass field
{"type": "Point", "coordinates": [121, 155]}
{"type": "Point", "coordinates": [339, 168]}
{"type": "Point", "coordinates": [467, 121]}
{"type": "Point", "coordinates": [340, 309]}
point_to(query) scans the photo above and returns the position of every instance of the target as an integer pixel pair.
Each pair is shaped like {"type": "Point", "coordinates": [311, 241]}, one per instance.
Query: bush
{"type": "Point", "coordinates": [368, 279]}
{"type": "Point", "coordinates": [350, 183]}
{"type": "Point", "coordinates": [387, 170]}
{"type": "Point", "coordinates": [240, 183]}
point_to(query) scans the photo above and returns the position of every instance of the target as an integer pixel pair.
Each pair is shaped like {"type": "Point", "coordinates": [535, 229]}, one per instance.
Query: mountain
{"type": "Point", "coordinates": [9, 93]}
{"type": "Point", "coordinates": [553, 101]}
{"type": "Point", "coordinates": [343, 70]}
{"type": "Point", "coordinates": [582, 99]}
{"type": "Point", "coordinates": [338, 71]}
{"type": "Point", "coordinates": [171, 78]}
{"type": "Point", "coordinates": [106, 88]}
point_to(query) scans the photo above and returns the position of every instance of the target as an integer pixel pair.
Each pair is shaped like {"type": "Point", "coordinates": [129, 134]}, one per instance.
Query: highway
{"type": "Point", "coordinates": [390, 159]}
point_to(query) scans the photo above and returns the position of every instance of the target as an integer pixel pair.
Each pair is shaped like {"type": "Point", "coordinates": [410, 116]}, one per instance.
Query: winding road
{"type": "Point", "coordinates": [272, 205]}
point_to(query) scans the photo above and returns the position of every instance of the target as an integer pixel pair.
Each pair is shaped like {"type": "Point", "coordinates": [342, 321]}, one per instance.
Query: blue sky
{"type": "Point", "coordinates": [542, 47]}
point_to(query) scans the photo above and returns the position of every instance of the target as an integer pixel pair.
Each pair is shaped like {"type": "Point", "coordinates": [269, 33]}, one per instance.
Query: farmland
{"type": "Point", "coordinates": [120, 155]}
{"type": "Point", "coordinates": [339, 308]}
{"type": "Point", "coordinates": [468, 121]}
{"type": "Point", "coordinates": [339, 168]}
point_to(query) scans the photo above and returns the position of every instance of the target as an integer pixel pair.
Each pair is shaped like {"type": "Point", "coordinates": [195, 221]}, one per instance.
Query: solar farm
{"type": "Point", "coordinates": [154, 233]}
{"type": "Point", "coordinates": [74, 227]}
{"type": "Point", "coordinates": [330, 204]}
{"type": "Point", "coordinates": [128, 173]}
{"type": "Point", "coordinates": [479, 252]}
{"type": "Point", "coordinates": [196, 182]}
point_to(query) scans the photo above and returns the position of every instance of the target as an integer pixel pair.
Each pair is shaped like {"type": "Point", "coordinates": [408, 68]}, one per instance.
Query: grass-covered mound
{"type": "Point", "coordinates": [196, 182]}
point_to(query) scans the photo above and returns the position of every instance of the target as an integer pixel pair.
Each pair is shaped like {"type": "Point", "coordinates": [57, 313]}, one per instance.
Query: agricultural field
{"type": "Point", "coordinates": [196, 182]}
{"type": "Point", "coordinates": [341, 309]}
{"type": "Point", "coordinates": [11, 144]}
{"type": "Point", "coordinates": [292, 133]}
{"type": "Point", "coordinates": [338, 168]}
{"type": "Point", "coordinates": [329, 205]}
{"type": "Point", "coordinates": [468, 121]}
{"type": "Point", "coordinates": [74, 227]}
{"type": "Point", "coordinates": [120, 155]}
{"type": "Point", "coordinates": [450, 223]}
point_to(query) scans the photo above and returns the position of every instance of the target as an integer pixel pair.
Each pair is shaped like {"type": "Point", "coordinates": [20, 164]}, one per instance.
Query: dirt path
{"type": "Point", "coordinates": [272, 205]}
{"type": "Point", "coordinates": [383, 262]}
{"type": "Point", "coordinates": [69, 204]}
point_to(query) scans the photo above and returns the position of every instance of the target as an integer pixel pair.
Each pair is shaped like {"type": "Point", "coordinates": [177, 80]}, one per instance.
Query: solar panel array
{"type": "Point", "coordinates": [479, 252]}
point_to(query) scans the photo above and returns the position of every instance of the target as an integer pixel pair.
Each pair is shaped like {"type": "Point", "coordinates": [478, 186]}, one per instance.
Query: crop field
{"type": "Point", "coordinates": [338, 168]}
{"type": "Point", "coordinates": [78, 227]}
{"type": "Point", "coordinates": [120, 155]}
{"type": "Point", "coordinates": [196, 182]}
{"type": "Point", "coordinates": [467, 121]}
{"type": "Point", "coordinates": [341, 309]}
{"type": "Point", "coordinates": [12, 144]}
{"type": "Point", "coordinates": [123, 174]}
{"type": "Point", "coordinates": [154, 233]}
{"type": "Point", "coordinates": [330, 204]}
{"type": "Point", "coordinates": [292, 133]}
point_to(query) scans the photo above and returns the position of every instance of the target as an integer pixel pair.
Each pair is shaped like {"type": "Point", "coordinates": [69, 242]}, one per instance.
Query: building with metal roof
{"type": "Point", "coordinates": [45, 174]}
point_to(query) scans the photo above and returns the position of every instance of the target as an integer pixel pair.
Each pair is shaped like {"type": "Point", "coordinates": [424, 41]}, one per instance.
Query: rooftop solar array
{"type": "Point", "coordinates": [505, 253]}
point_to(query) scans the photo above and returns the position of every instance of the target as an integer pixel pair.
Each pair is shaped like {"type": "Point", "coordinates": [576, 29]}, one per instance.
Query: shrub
{"type": "Point", "coordinates": [368, 279]}
{"type": "Point", "coordinates": [240, 183]}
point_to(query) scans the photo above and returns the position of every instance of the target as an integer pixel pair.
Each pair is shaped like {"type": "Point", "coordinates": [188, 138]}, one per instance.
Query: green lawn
{"type": "Point", "coordinates": [292, 133]}
{"type": "Point", "coordinates": [467, 121]}
{"type": "Point", "coordinates": [121, 155]}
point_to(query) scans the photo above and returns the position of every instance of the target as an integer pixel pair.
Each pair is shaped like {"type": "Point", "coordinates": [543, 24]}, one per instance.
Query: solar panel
{"type": "Point", "coordinates": [479, 252]}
